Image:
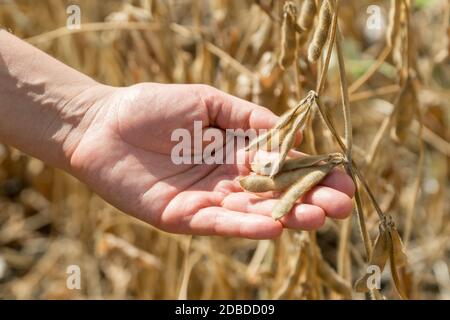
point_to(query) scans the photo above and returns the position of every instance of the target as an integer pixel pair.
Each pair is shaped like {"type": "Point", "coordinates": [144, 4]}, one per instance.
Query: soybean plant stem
{"type": "Point", "coordinates": [345, 99]}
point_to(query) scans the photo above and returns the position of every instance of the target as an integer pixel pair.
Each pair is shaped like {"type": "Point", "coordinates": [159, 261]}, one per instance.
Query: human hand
{"type": "Point", "coordinates": [124, 154]}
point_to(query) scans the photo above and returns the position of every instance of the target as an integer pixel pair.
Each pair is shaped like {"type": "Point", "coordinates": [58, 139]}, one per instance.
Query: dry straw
{"type": "Point", "coordinates": [187, 42]}
{"type": "Point", "coordinates": [393, 23]}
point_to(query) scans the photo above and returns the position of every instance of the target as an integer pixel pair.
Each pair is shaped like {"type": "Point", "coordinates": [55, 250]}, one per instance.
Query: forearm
{"type": "Point", "coordinates": [42, 102]}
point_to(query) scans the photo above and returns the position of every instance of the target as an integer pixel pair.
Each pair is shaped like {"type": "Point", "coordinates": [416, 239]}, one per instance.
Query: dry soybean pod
{"type": "Point", "coordinates": [308, 161]}
{"type": "Point", "coordinates": [393, 266]}
{"type": "Point", "coordinates": [272, 138]}
{"type": "Point", "coordinates": [284, 119]}
{"type": "Point", "coordinates": [288, 35]}
{"type": "Point", "coordinates": [303, 162]}
{"type": "Point", "coordinates": [379, 257]}
{"type": "Point", "coordinates": [277, 136]}
{"type": "Point", "coordinates": [288, 115]}
{"type": "Point", "coordinates": [398, 248]}
{"type": "Point", "coordinates": [290, 164]}
{"type": "Point", "coordinates": [321, 32]}
{"type": "Point", "coordinates": [259, 183]}
{"type": "Point", "coordinates": [288, 140]}
{"type": "Point", "coordinates": [309, 180]}
{"type": "Point", "coordinates": [294, 124]}
{"type": "Point", "coordinates": [312, 160]}
{"type": "Point", "coordinates": [262, 138]}
{"type": "Point", "coordinates": [407, 104]}
{"type": "Point", "coordinates": [307, 13]}
{"type": "Point", "coordinates": [267, 139]}
{"type": "Point", "coordinates": [394, 22]}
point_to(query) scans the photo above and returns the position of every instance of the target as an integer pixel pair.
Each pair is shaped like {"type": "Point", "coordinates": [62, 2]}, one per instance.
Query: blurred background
{"type": "Point", "coordinates": [49, 221]}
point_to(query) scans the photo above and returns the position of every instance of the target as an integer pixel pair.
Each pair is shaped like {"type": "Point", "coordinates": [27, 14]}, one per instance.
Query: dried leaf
{"type": "Point", "coordinates": [379, 257]}
{"type": "Point", "coordinates": [393, 266]}
{"type": "Point", "coordinates": [398, 249]}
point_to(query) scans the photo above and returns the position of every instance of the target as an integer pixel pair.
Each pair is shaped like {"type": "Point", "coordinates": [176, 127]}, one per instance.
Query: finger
{"type": "Point", "coordinates": [200, 213]}
{"type": "Point", "coordinates": [339, 180]}
{"type": "Point", "coordinates": [230, 112]}
{"type": "Point", "coordinates": [302, 216]}
{"type": "Point", "coordinates": [223, 222]}
{"type": "Point", "coordinates": [336, 204]}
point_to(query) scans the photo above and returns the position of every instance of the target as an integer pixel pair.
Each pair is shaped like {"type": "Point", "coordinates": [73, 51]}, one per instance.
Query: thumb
{"type": "Point", "coordinates": [229, 112]}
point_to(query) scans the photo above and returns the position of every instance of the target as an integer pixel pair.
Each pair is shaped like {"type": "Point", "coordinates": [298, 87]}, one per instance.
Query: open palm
{"type": "Point", "coordinates": [125, 156]}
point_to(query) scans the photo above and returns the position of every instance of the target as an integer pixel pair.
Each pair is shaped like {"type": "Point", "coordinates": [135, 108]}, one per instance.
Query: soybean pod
{"type": "Point", "coordinates": [304, 184]}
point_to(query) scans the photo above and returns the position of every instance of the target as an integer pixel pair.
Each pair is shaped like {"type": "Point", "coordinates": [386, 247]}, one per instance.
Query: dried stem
{"type": "Point", "coordinates": [345, 99]}
{"type": "Point", "coordinates": [370, 94]}
{"type": "Point", "coordinates": [349, 141]}
{"type": "Point", "coordinates": [371, 71]}
{"type": "Point", "coordinates": [383, 130]}
{"type": "Point", "coordinates": [417, 180]}
{"type": "Point", "coordinates": [289, 285]}
{"type": "Point", "coordinates": [343, 255]}
{"type": "Point", "coordinates": [362, 223]}
{"type": "Point", "coordinates": [416, 188]}
{"type": "Point", "coordinates": [351, 171]}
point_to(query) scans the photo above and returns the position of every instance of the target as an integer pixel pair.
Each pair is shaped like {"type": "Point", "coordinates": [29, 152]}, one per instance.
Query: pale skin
{"type": "Point", "coordinates": [118, 142]}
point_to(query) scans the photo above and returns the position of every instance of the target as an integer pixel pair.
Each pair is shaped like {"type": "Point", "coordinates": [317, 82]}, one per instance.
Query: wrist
{"type": "Point", "coordinates": [76, 115]}
{"type": "Point", "coordinates": [45, 105]}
